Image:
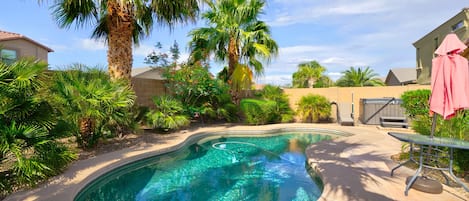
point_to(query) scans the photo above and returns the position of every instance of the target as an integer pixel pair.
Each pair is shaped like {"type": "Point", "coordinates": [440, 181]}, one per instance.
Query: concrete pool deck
{"type": "Point", "coordinates": [356, 167]}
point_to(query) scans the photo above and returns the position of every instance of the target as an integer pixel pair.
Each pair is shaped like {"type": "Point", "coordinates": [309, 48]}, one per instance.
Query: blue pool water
{"type": "Point", "coordinates": [224, 168]}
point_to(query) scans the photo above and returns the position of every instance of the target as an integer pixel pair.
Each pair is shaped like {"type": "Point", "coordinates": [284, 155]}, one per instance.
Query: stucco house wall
{"type": "Point", "coordinates": [426, 46]}
{"type": "Point", "coordinates": [24, 46]}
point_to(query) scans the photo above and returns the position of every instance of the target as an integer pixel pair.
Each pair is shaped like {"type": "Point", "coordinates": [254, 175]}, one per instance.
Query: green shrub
{"type": "Point", "coordinates": [314, 108]}
{"type": "Point", "coordinates": [282, 113]}
{"type": "Point", "coordinates": [416, 105]}
{"type": "Point", "coordinates": [167, 115]}
{"type": "Point", "coordinates": [90, 104]}
{"type": "Point", "coordinates": [258, 112]}
{"type": "Point", "coordinates": [29, 152]}
{"type": "Point", "coordinates": [201, 95]}
{"type": "Point", "coordinates": [415, 102]}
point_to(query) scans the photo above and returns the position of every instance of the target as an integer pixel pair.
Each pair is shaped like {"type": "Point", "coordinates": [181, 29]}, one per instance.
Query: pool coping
{"type": "Point", "coordinates": [67, 185]}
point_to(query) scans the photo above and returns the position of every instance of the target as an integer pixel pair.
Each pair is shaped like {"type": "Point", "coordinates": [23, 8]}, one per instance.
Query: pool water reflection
{"type": "Point", "coordinates": [271, 167]}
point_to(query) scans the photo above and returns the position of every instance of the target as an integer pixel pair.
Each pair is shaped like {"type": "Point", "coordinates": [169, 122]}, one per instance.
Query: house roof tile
{"type": "Point", "coordinates": [6, 36]}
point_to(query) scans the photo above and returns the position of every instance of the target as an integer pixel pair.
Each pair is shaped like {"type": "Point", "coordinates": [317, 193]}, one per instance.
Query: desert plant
{"type": "Point", "coordinates": [313, 108]}
{"type": "Point", "coordinates": [258, 111]}
{"type": "Point", "coordinates": [90, 103]}
{"type": "Point", "coordinates": [236, 35]}
{"type": "Point", "coordinates": [122, 23]}
{"type": "Point", "coordinates": [200, 94]}
{"type": "Point", "coordinates": [282, 113]}
{"type": "Point", "coordinates": [167, 115]}
{"type": "Point", "coordinates": [359, 77]}
{"type": "Point", "coordinates": [28, 150]}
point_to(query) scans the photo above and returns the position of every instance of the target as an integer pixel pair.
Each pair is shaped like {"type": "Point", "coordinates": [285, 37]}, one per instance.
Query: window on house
{"type": "Point", "coordinates": [8, 56]}
{"type": "Point", "coordinates": [457, 25]}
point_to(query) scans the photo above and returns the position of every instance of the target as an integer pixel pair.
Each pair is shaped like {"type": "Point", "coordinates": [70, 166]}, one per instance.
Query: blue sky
{"type": "Point", "coordinates": [336, 33]}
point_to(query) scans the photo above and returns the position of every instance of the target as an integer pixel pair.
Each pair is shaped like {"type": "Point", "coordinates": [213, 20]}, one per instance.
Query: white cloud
{"type": "Point", "coordinates": [92, 44]}
{"type": "Point", "coordinates": [278, 80]}
{"type": "Point", "coordinates": [143, 50]}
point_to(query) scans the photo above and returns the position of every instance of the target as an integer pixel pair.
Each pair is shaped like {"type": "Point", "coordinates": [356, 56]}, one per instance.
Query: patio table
{"type": "Point", "coordinates": [435, 142]}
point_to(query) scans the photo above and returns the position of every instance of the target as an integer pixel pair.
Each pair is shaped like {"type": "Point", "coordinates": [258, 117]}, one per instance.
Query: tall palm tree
{"type": "Point", "coordinates": [122, 23]}
{"type": "Point", "coordinates": [359, 77]}
{"type": "Point", "coordinates": [307, 75]}
{"type": "Point", "coordinates": [234, 34]}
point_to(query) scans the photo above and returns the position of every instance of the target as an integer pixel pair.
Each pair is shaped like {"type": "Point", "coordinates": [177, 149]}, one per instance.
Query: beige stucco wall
{"type": "Point", "coordinates": [25, 48]}
{"type": "Point", "coordinates": [344, 94]}
{"type": "Point", "coordinates": [145, 89]}
{"type": "Point", "coordinates": [426, 46]}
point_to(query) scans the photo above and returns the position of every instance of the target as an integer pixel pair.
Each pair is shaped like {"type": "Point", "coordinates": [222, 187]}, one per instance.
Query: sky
{"type": "Point", "coordinates": [338, 34]}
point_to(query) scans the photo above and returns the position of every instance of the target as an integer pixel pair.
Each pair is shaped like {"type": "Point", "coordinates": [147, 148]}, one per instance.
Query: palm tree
{"type": "Point", "coordinates": [312, 108]}
{"type": "Point", "coordinates": [122, 23]}
{"type": "Point", "coordinates": [86, 98]}
{"type": "Point", "coordinates": [28, 151]}
{"type": "Point", "coordinates": [359, 77]}
{"type": "Point", "coordinates": [236, 35]}
{"type": "Point", "coordinates": [307, 75]}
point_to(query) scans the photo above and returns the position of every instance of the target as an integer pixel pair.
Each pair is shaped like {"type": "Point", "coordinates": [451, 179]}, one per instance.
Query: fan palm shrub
{"type": "Point", "coordinates": [282, 112]}
{"type": "Point", "coordinates": [258, 112]}
{"type": "Point", "coordinates": [90, 103]}
{"type": "Point", "coordinates": [313, 108]}
{"type": "Point", "coordinates": [167, 115]}
{"type": "Point", "coordinates": [28, 150]}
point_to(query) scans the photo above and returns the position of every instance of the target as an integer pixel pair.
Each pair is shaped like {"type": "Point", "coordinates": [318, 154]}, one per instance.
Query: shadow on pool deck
{"type": "Point", "coordinates": [352, 168]}
{"type": "Point", "coordinates": [358, 168]}
{"type": "Point", "coordinates": [336, 172]}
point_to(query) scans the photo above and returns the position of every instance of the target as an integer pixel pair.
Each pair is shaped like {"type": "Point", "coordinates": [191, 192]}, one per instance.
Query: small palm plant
{"type": "Point", "coordinates": [313, 108]}
{"type": "Point", "coordinates": [89, 101]}
{"type": "Point", "coordinates": [28, 151]}
{"type": "Point", "coordinates": [167, 115]}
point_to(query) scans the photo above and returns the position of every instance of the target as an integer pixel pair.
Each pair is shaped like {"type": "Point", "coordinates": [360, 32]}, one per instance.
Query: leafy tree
{"type": "Point", "coordinates": [28, 150]}
{"type": "Point", "coordinates": [323, 82]}
{"type": "Point", "coordinates": [313, 108]}
{"type": "Point", "coordinates": [88, 102]}
{"type": "Point", "coordinates": [307, 75]}
{"type": "Point", "coordinates": [359, 77]}
{"type": "Point", "coordinates": [236, 35]}
{"type": "Point", "coordinates": [175, 53]}
{"type": "Point", "coordinates": [122, 23]}
{"type": "Point", "coordinates": [158, 58]}
{"type": "Point", "coordinates": [201, 94]}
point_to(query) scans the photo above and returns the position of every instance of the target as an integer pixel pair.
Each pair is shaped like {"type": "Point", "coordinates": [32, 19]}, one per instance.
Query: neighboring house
{"type": "Point", "coordinates": [14, 46]}
{"type": "Point", "coordinates": [148, 82]}
{"type": "Point", "coordinates": [401, 76]}
{"type": "Point", "coordinates": [426, 46]}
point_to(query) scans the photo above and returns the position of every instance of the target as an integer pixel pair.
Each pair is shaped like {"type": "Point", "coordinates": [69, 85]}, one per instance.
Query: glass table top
{"type": "Point", "coordinates": [426, 140]}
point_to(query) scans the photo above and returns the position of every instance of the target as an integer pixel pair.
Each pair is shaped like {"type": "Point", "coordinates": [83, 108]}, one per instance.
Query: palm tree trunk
{"type": "Point", "coordinates": [233, 59]}
{"type": "Point", "coordinates": [86, 131]}
{"type": "Point", "coordinates": [120, 40]}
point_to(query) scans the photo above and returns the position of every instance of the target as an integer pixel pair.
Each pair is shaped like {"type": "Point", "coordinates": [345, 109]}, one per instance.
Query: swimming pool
{"type": "Point", "coordinates": [261, 167]}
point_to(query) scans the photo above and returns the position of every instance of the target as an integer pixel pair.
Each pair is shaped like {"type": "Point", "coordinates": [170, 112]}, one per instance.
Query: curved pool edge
{"type": "Point", "coordinates": [69, 184]}
{"type": "Point", "coordinates": [81, 173]}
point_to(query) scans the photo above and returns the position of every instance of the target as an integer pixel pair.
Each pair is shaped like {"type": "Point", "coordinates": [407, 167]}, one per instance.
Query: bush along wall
{"type": "Point", "coordinates": [258, 112]}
